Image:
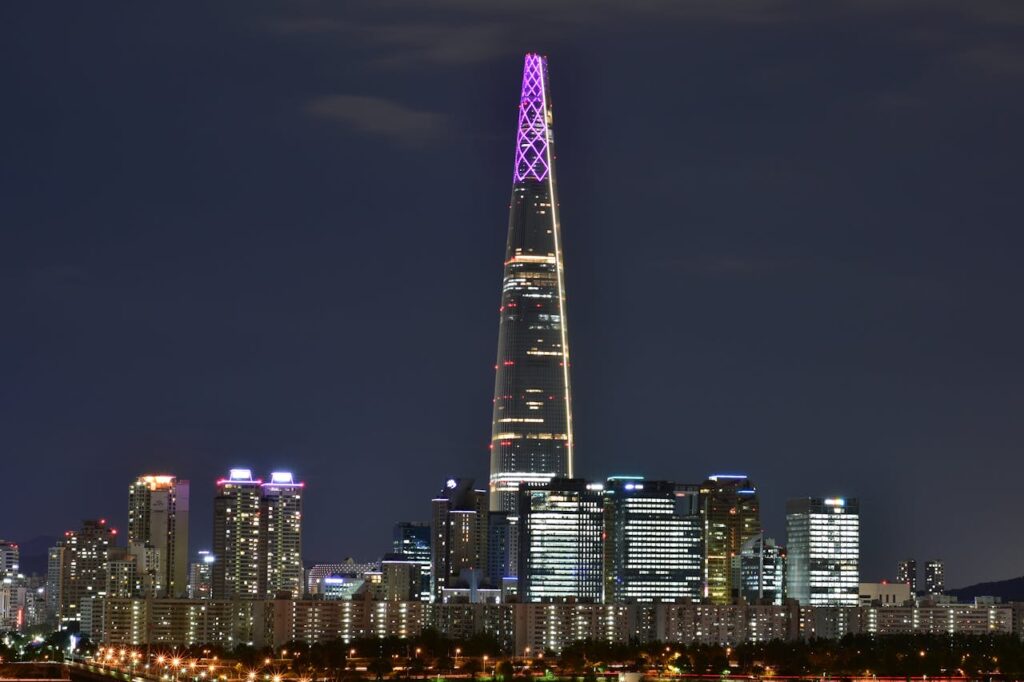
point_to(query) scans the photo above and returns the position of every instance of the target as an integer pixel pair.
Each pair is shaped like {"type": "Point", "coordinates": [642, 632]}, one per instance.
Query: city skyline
{"type": "Point", "coordinates": [796, 272]}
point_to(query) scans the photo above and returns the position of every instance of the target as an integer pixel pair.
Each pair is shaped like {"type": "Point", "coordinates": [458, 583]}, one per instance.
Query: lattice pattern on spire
{"type": "Point", "coordinates": [532, 138]}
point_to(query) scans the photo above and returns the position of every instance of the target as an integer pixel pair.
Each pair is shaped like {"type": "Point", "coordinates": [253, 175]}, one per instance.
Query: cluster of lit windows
{"type": "Point", "coordinates": [824, 552]}
{"type": "Point", "coordinates": [563, 549]}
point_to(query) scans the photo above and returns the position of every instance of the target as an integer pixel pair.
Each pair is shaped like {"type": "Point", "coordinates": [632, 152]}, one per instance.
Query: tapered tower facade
{"type": "Point", "coordinates": [531, 436]}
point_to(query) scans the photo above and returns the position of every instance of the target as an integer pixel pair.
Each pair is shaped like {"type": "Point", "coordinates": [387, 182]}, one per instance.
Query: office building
{"type": "Point", "coordinates": [458, 530]}
{"type": "Point", "coordinates": [281, 536]}
{"type": "Point", "coordinates": [236, 536]}
{"type": "Point", "coordinates": [412, 541]}
{"type": "Point", "coordinates": [561, 549]}
{"type": "Point", "coordinates": [934, 581]}
{"type": "Point", "coordinates": [158, 517]}
{"type": "Point", "coordinates": [652, 551]}
{"type": "Point", "coordinates": [200, 576]}
{"type": "Point", "coordinates": [906, 573]}
{"type": "Point", "coordinates": [83, 566]}
{"type": "Point", "coordinates": [823, 551]}
{"type": "Point", "coordinates": [731, 513]}
{"type": "Point", "coordinates": [759, 571]}
{"type": "Point", "coordinates": [531, 436]}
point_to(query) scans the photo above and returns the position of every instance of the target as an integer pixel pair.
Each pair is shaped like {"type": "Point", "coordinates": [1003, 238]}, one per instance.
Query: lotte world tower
{"type": "Point", "coordinates": [531, 436]}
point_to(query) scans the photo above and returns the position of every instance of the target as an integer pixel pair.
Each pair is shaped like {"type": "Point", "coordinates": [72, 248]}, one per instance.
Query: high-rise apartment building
{"type": "Point", "coordinates": [412, 541]}
{"type": "Point", "coordinates": [83, 566]}
{"type": "Point", "coordinates": [54, 580]}
{"type": "Point", "coordinates": [531, 437]}
{"type": "Point", "coordinates": [758, 571]}
{"type": "Point", "coordinates": [652, 546]}
{"type": "Point", "coordinates": [200, 576]}
{"type": "Point", "coordinates": [561, 553]}
{"type": "Point", "coordinates": [10, 558]}
{"type": "Point", "coordinates": [236, 536]}
{"type": "Point", "coordinates": [400, 578]}
{"type": "Point", "coordinates": [906, 573]}
{"type": "Point", "coordinates": [823, 551]}
{"type": "Point", "coordinates": [934, 580]}
{"type": "Point", "coordinates": [122, 574]}
{"type": "Point", "coordinates": [281, 536]}
{"type": "Point", "coordinates": [731, 513]}
{"type": "Point", "coordinates": [458, 530]}
{"type": "Point", "coordinates": [158, 518]}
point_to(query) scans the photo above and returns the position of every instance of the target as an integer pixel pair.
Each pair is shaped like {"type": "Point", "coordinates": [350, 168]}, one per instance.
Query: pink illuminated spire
{"type": "Point", "coordinates": [534, 134]}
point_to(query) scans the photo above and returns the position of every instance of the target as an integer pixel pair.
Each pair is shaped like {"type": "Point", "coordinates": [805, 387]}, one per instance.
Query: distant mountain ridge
{"type": "Point", "coordinates": [34, 554]}
{"type": "Point", "coordinates": [1008, 590]}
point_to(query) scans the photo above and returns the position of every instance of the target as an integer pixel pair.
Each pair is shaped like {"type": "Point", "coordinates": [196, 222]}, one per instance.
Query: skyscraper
{"type": "Point", "coordinates": [236, 536]}
{"type": "Point", "coordinates": [731, 513]}
{"type": "Point", "coordinates": [531, 436]}
{"type": "Point", "coordinates": [158, 519]}
{"type": "Point", "coordinates": [458, 531]}
{"type": "Point", "coordinates": [281, 536]}
{"type": "Point", "coordinates": [652, 547]}
{"type": "Point", "coordinates": [906, 573]}
{"type": "Point", "coordinates": [934, 580]}
{"type": "Point", "coordinates": [561, 528]}
{"type": "Point", "coordinates": [823, 551]}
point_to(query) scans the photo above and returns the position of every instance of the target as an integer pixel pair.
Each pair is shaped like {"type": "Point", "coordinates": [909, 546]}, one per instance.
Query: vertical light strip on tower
{"type": "Point", "coordinates": [531, 437]}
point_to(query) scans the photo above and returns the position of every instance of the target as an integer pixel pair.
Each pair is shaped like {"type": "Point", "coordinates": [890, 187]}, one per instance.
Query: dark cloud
{"type": "Point", "coordinates": [378, 116]}
{"type": "Point", "coordinates": [409, 44]}
{"type": "Point", "coordinates": [998, 59]}
{"type": "Point", "coordinates": [733, 265]}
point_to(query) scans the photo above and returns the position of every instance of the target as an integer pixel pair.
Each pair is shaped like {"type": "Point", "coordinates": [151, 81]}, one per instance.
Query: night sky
{"type": "Point", "coordinates": [271, 235]}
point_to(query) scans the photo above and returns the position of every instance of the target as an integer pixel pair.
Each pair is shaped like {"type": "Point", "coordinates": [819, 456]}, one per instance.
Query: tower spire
{"type": "Point", "coordinates": [534, 134]}
{"type": "Point", "coordinates": [531, 436]}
